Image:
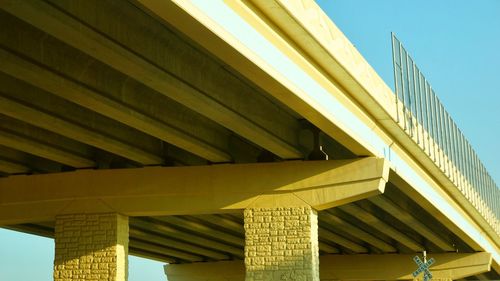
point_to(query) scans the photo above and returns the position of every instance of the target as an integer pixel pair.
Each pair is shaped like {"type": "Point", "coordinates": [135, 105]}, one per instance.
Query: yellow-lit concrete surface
{"type": "Point", "coordinates": [91, 247]}
{"type": "Point", "coordinates": [337, 267]}
{"type": "Point", "coordinates": [148, 126]}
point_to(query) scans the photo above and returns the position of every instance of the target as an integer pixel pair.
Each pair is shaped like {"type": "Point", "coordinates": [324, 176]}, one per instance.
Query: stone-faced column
{"type": "Point", "coordinates": [91, 247]}
{"type": "Point", "coordinates": [281, 244]}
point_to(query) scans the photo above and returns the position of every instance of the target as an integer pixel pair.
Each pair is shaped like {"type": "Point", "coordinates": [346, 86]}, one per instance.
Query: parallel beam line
{"type": "Point", "coordinates": [198, 227]}
{"type": "Point", "coordinates": [194, 239]}
{"type": "Point", "coordinates": [412, 222]}
{"type": "Point", "coordinates": [381, 226]}
{"type": "Point", "coordinates": [357, 232]}
{"type": "Point", "coordinates": [71, 91]}
{"type": "Point", "coordinates": [138, 233]}
{"type": "Point", "coordinates": [153, 256]}
{"type": "Point", "coordinates": [327, 248]}
{"type": "Point", "coordinates": [337, 239]}
{"type": "Point", "coordinates": [79, 133]}
{"type": "Point", "coordinates": [223, 222]}
{"type": "Point", "coordinates": [80, 36]}
{"type": "Point", "coordinates": [164, 250]}
{"type": "Point", "coordinates": [9, 167]}
{"type": "Point", "coordinates": [24, 144]}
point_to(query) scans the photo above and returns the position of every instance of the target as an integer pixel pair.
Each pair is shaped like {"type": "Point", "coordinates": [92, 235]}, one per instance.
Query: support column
{"type": "Point", "coordinates": [91, 247]}
{"type": "Point", "coordinates": [281, 244]}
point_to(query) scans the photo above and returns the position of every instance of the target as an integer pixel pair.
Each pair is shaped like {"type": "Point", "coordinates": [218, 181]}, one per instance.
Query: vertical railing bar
{"type": "Point", "coordinates": [416, 100]}
{"type": "Point", "coordinates": [466, 162]}
{"type": "Point", "coordinates": [430, 122]}
{"type": "Point", "coordinates": [423, 108]}
{"type": "Point", "coordinates": [478, 172]}
{"type": "Point", "coordinates": [446, 141]}
{"type": "Point", "coordinates": [436, 124]}
{"type": "Point", "coordinates": [462, 157]}
{"type": "Point", "coordinates": [474, 169]}
{"type": "Point", "coordinates": [396, 88]}
{"type": "Point", "coordinates": [484, 184]}
{"type": "Point", "coordinates": [410, 123]}
{"type": "Point", "coordinates": [439, 135]}
{"type": "Point", "coordinates": [403, 94]}
{"type": "Point", "coordinates": [452, 148]}
{"type": "Point", "coordinates": [486, 189]}
{"type": "Point", "coordinates": [440, 132]}
{"type": "Point", "coordinates": [471, 165]}
{"type": "Point", "coordinates": [467, 159]}
{"type": "Point", "coordinates": [457, 152]}
{"type": "Point", "coordinates": [481, 184]}
{"type": "Point", "coordinates": [489, 189]}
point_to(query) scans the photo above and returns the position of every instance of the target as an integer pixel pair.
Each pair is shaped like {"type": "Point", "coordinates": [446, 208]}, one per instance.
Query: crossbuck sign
{"type": "Point", "coordinates": [423, 267]}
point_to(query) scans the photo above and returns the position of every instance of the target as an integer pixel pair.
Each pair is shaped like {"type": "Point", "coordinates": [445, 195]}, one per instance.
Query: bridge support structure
{"type": "Point", "coordinates": [450, 266]}
{"type": "Point", "coordinates": [281, 244]}
{"type": "Point", "coordinates": [91, 247]}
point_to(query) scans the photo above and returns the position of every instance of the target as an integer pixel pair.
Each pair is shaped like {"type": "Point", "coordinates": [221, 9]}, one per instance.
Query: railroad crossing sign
{"type": "Point", "coordinates": [423, 267]}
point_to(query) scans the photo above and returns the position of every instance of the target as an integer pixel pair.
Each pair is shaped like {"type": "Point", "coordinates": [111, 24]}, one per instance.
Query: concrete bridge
{"type": "Point", "coordinates": [233, 140]}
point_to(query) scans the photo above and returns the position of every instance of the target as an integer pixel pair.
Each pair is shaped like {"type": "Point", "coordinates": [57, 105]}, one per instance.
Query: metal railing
{"type": "Point", "coordinates": [423, 117]}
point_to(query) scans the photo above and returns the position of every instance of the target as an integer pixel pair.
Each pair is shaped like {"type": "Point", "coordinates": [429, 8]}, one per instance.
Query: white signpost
{"type": "Point", "coordinates": [423, 267]}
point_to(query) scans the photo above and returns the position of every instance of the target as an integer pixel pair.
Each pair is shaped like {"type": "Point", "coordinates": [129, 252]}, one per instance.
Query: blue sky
{"type": "Point", "coordinates": [455, 44]}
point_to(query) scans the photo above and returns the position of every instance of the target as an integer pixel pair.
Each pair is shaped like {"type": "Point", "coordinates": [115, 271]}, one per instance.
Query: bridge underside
{"type": "Point", "coordinates": [388, 223]}
{"type": "Point", "coordinates": [93, 87]}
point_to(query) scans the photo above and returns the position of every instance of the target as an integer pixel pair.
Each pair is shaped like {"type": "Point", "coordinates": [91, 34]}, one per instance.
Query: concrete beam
{"type": "Point", "coordinates": [409, 219]}
{"type": "Point", "coordinates": [197, 240]}
{"type": "Point", "coordinates": [43, 150]}
{"type": "Point", "coordinates": [337, 239]}
{"type": "Point", "coordinates": [190, 225]}
{"type": "Point", "coordinates": [60, 86]}
{"type": "Point", "coordinates": [381, 226]}
{"type": "Point", "coordinates": [164, 250]}
{"type": "Point", "coordinates": [400, 267]}
{"type": "Point", "coordinates": [35, 164]}
{"type": "Point", "coordinates": [173, 243]}
{"type": "Point", "coordinates": [205, 98]}
{"type": "Point", "coordinates": [332, 218]}
{"type": "Point", "coordinates": [156, 191]}
{"type": "Point", "coordinates": [10, 167]}
{"type": "Point", "coordinates": [50, 122]}
{"type": "Point", "coordinates": [201, 29]}
{"type": "Point", "coordinates": [346, 267]}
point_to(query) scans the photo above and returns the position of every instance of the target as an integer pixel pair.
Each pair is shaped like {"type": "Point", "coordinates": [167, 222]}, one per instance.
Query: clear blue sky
{"type": "Point", "coordinates": [456, 44]}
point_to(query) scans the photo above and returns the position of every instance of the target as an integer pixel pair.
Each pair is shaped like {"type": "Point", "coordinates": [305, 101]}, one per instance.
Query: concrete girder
{"type": "Point", "coordinates": [381, 226]}
{"type": "Point", "coordinates": [409, 219]}
{"type": "Point", "coordinates": [10, 167]}
{"type": "Point", "coordinates": [157, 191]}
{"type": "Point", "coordinates": [64, 27]}
{"type": "Point", "coordinates": [168, 242]}
{"type": "Point", "coordinates": [400, 267]}
{"type": "Point", "coordinates": [35, 163]}
{"type": "Point", "coordinates": [337, 239]}
{"type": "Point", "coordinates": [449, 266]}
{"type": "Point", "coordinates": [199, 28]}
{"type": "Point", "coordinates": [171, 232]}
{"type": "Point", "coordinates": [43, 150]}
{"type": "Point", "coordinates": [333, 219]}
{"type": "Point", "coordinates": [198, 227]}
{"type": "Point", "coordinates": [62, 87]}
{"type": "Point", "coordinates": [50, 122]}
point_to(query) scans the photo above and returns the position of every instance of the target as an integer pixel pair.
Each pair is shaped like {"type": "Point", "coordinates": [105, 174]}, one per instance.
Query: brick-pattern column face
{"type": "Point", "coordinates": [91, 247]}
{"type": "Point", "coordinates": [281, 244]}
